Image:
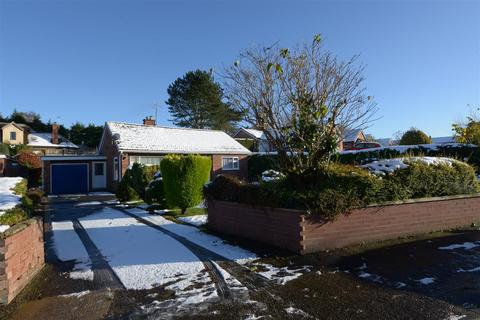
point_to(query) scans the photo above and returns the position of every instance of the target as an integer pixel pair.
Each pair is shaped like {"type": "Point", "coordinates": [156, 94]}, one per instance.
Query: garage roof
{"type": "Point", "coordinates": [156, 139]}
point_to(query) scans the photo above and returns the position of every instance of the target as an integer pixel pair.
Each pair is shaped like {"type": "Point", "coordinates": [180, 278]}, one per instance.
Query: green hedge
{"type": "Point", "coordinates": [183, 179]}
{"type": "Point", "coordinates": [135, 181]}
{"type": "Point", "coordinates": [154, 194]}
{"type": "Point", "coordinates": [337, 188]}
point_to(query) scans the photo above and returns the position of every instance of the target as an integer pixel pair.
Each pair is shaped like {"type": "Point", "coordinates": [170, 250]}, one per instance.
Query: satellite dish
{"type": "Point", "coordinates": [116, 137]}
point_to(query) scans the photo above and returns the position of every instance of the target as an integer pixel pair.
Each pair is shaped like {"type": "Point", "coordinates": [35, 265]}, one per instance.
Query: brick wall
{"type": "Point", "coordinates": [217, 166]}
{"type": "Point", "coordinates": [21, 257]}
{"type": "Point", "coordinates": [278, 227]}
{"type": "Point", "coordinates": [305, 234]}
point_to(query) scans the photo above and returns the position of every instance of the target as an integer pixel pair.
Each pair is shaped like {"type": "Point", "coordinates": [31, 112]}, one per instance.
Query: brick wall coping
{"type": "Point", "coordinates": [385, 204]}
{"type": "Point", "coordinates": [19, 227]}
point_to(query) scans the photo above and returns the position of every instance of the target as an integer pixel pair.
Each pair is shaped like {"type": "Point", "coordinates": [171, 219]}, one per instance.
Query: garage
{"type": "Point", "coordinates": [74, 174]}
{"type": "Point", "coordinates": [69, 178]}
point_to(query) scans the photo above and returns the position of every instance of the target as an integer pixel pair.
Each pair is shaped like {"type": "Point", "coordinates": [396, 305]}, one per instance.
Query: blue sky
{"type": "Point", "coordinates": [94, 61]}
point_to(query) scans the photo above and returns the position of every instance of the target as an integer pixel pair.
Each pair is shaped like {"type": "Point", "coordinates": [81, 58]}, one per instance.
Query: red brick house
{"type": "Point", "coordinates": [123, 144]}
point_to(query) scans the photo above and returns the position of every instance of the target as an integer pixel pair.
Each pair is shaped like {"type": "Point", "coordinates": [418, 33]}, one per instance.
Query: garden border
{"type": "Point", "coordinates": [301, 233]}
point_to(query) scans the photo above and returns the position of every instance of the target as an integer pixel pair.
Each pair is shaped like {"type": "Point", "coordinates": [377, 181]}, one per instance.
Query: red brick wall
{"type": "Point", "coordinates": [22, 256]}
{"type": "Point", "coordinates": [306, 234]}
{"type": "Point", "coordinates": [217, 166]}
{"type": "Point", "coordinates": [278, 227]}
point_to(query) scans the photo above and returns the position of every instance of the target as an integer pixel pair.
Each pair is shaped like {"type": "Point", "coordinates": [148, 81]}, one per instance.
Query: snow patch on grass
{"type": "Point", "coordinates": [281, 275]}
{"type": "Point", "coordinates": [76, 294]}
{"type": "Point", "coordinates": [198, 220]}
{"type": "Point", "coordinates": [8, 199]}
{"type": "Point", "coordinates": [426, 281]}
{"type": "Point", "coordinates": [468, 270]}
{"type": "Point", "coordinates": [465, 245]}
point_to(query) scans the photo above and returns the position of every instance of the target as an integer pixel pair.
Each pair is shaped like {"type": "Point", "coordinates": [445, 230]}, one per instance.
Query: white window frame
{"type": "Point", "coordinates": [139, 160]}
{"type": "Point", "coordinates": [14, 134]}
{"type": "Point", "coordinates": [235, 161]}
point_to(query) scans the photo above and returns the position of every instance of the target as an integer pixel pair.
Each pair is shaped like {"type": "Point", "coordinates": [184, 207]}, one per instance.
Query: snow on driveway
{"type": "Point", "coordinates": [68, 246]}
{"type": "Point", "coordinates": [141, 256]}
{"type": "Point", "coordinates": [198, 237]}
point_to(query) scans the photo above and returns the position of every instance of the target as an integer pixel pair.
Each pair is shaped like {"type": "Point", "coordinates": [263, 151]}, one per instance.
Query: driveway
{"type": "Point", "coordinates": [114, 262]}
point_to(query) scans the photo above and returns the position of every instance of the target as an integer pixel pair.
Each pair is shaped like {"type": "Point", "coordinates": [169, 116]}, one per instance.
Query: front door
{"type": "Point", "coordinates": [99, 179]}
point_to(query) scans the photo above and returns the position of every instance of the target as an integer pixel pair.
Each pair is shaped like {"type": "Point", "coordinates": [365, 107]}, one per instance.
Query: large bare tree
{"type": "Point", "coordinates": [302, 99]}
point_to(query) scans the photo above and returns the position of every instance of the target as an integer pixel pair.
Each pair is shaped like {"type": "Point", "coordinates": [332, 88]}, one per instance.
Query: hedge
{"type": "Point", "coordinates": [337, 188]}
{"type": "Point", "coordinates": [183, 179]}
{"type": "Point", "coordinates": [135, 181]}
{"type": "Point", "coordinates": [471, 154]}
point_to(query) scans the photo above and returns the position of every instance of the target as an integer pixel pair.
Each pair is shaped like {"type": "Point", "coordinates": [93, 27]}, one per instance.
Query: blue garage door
{"type": "Point", "coordinates": [69, 178]}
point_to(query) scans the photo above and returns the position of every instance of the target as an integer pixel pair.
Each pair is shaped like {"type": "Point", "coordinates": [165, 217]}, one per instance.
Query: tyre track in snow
{"type": "Point", "coordinates": [249, 279]}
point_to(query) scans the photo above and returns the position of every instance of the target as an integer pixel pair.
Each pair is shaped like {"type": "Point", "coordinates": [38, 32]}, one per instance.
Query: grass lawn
{"type": "Point", "coordinates": [190, 212]}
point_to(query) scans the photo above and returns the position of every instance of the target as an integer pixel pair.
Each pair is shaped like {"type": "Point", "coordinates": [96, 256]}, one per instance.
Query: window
{"type": "Point", "coordinates": [98, 169]}
{"type": "Point", "coordinates": [116, 170]}
{"type": "Point", "coordinates": [230, 163]}
{"type": "Point", "coordinates": [146, 160]}
{"type": "Point", "coordinates": [13, 136]}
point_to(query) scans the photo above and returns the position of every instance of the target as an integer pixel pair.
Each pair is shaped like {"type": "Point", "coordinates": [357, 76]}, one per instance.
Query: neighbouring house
{"type": "Point", "coordinates": [42, 143]}
{"type": "Point", "coordinates": [253, 139]}
{"type": "Point", "coordinates": [351, 138]}
{"type": "Point", "coordinates": [123, 144]}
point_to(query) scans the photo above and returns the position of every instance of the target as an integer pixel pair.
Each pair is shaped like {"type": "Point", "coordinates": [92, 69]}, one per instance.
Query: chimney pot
{"type": "Point", "coordinates": [149, 121]}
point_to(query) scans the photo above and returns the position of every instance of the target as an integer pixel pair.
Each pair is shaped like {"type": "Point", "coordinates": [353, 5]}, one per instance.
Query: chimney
{"type": "Point", "coordinates": [55, 128]}
{"type": "Point", "coordinates": [149, 121]}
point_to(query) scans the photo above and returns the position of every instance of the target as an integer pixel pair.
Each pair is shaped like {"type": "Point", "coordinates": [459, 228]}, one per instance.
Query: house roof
{"type": "Point", "coordinates": [351, 135]}
{"type": "Point", "coordinates": [157, 139]}
{"type": "Point", "coordinates": [38, 139]}
{"type": "Point", "coordinates": [443, 140]}
{"type": "Point", "coordinates": [20, 126]}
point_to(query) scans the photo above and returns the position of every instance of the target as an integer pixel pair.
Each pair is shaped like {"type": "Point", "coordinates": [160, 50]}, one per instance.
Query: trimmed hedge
{"type": "Point", "coordinates": [183, 179]}
{"type": "Point", "coordinates": [336, 189]}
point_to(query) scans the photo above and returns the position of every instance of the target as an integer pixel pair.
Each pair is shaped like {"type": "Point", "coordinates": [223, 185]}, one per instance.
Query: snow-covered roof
{"type": "Point", "coordinates": [156, 139]}
{"type": "Point", "coordinates": [37, 139]}
{"type": "Point", "coordinates": [443, 140]}
{"type": "Point", "coordinates": [256, 133]}
{"type": "Point", "coordinates": [351, 135]}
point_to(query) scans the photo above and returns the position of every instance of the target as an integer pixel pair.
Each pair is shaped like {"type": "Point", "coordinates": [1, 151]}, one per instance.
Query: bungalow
{"type": "Point", "coordinates": [351, 138]}
{"type": "Point", "coordinates": [123, 144]}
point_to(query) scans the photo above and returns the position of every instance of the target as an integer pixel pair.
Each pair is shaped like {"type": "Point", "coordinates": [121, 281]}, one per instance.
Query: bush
{"type": "Point", "coordinates": [4, 149]}
{"type": "Point", "coordinates": [336, 189]}
{"type": "Point", "coordinates": [14, 216]}
{"type": "Point", "coordinates": [414, 137]}
{"type": "Point", "coordinates": [257, 164]}
{"type": "Point", "coordinates": [183, 179]}
{"type": "Point", "coordinates": [36, 195]}
{"type": "Point", "coordinates": [135, 181]}
{"type": "Point", "coordinates": [420, 180]}
{"type": "Point", "coordinates": [125, 192]}
{"type": "Point", "coordinates": [154, 193]}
